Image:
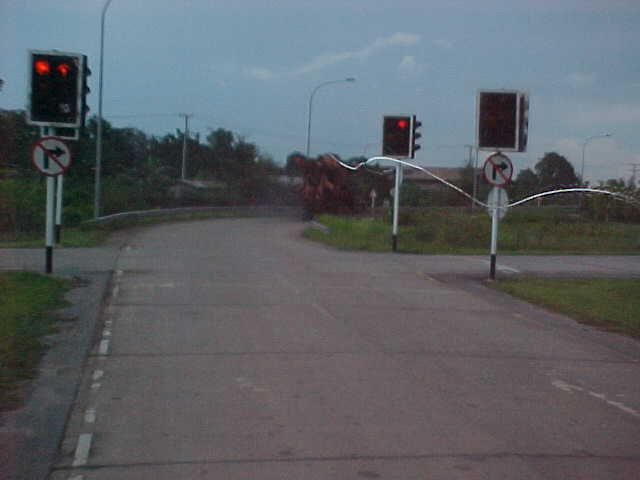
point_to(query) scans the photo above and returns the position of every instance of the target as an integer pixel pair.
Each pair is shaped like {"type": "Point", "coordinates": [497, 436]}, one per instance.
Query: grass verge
{"type": "Point", "coordinates": [26, 303]}
{"type": "Point", "coordinates": [451, 231]}
{"type": "Point", "coordinates": [611, 304]}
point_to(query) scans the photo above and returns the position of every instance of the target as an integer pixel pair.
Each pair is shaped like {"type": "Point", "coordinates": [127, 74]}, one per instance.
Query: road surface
{"type": "Point", "coordinates": [234, 349]}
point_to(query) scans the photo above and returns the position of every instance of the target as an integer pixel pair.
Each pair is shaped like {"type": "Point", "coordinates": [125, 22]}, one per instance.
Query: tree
{"type": "Point", "coordinates": [554, 170]}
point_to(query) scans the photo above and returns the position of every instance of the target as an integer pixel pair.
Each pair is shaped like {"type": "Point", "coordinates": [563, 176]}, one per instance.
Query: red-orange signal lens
{"type": "Point", "coordinates": [42, 67]}
{"type": "Point", "coordinates": [63, 69]}
{"type": "Point", "coordinates": [402, 124]}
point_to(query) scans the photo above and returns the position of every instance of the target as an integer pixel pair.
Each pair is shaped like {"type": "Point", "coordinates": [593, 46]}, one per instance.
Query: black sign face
{"type": "Point", "coordinates": [497, 127]}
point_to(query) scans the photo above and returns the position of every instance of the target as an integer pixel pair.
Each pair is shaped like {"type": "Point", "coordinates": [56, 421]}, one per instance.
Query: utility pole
{"type": "Point", "coordinates": [184, 144]}
{"type": "Point", "coordinates": [634, 171]}
{"type": "Point", "coordinates": [474, 166]}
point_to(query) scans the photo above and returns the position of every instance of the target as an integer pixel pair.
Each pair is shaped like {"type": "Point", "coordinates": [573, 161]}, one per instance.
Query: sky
{"type": "Point", "coordinates": [250, 66]}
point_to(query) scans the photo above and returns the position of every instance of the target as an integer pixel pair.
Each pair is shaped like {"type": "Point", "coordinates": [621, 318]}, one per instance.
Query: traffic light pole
{"type": "Point", "coordinates": [396, 208]}
{"type": "Point", "coordinates": [49, 225]}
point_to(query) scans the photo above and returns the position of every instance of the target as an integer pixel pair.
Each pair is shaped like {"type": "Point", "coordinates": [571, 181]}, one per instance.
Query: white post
{"type": "Point", "coordinates": [49, 223]}
{"type": "Point", "coordinates": [494, 236]}
{"type": "Point", "coordinates": [396, 208]}
{"type": "Point", "coordinates": [59, 181]}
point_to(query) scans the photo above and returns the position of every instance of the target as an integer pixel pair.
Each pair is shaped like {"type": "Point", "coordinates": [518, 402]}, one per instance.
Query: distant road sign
{"type": "Point", "coordinates": [498, 198]}
{"type": "Point", "coordinates": [498, 170]}
{"type": "Point", "coordinates": [51, 156]}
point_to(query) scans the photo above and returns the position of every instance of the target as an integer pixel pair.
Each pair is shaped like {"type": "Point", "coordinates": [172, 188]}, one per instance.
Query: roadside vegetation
{"type": "Point", "coordinates": [611, 304]}
{"type": "Point", "coordinates": [457, 231]}
{"type": "Point", "coordinates": [26, 303]}
{"type": "Point", "coordinates": [91, 234]}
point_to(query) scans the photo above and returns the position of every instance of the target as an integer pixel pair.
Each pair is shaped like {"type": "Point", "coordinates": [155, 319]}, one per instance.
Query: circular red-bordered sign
{"type": "Point", "coordinates": [498, 169]}
{"type": "Point", "coordinates": [51, 156]}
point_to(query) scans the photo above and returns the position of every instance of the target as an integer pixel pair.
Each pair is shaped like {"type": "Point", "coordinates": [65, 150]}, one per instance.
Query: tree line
{"type": "Point", "coordinates": [139, 171]}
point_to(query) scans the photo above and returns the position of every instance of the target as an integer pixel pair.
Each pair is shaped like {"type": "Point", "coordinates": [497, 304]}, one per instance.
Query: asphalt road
{"type": "Point", "coordinates": [234, 349]}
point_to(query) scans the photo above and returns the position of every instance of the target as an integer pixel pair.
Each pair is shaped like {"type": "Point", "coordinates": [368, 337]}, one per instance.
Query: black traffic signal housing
{"type": "Point", "coordinates": [84, 91]}
{"type": "Point", "coordinates": [502, 120]}
{"type": "Point", "coordinates": [523, 122]}
{"type": "Point", "coordinates": [397, 136]}
{"type": "Point", "coordinates": [415, 125]}
{"type": "Point", "coordinates": [55, 93]}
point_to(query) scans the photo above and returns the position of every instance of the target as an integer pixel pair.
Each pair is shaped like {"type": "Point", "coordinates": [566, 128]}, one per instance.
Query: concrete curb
{"type": "Point", "coordinates": [319, 226]}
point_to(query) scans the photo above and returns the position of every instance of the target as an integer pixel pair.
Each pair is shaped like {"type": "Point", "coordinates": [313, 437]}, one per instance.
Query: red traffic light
{"type": "Point", "coordinates": [63, 69]}
{"type": "Point", "coordinates": [42, 67]}
{"type": "Point", "coordinates": [402, 124]}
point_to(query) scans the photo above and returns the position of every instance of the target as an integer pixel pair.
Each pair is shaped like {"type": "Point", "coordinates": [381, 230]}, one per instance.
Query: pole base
{"type": "Point", "coordinates": [394, 243]}
{"type": "Point", "coordinates": [492, 268]}
{"type": "Point", "coordinates": [49, 259]}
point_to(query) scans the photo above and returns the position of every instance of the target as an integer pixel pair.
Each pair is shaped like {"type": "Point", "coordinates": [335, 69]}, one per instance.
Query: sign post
{"type": "Point", "coordinates": [497, 201]}
{"type": "Point", "coordinates": [51, 157]}
{"type": "Point", "coordinates": [59, 183]}
{"type": "Point", "coordinates": [49, 223]}
{"type": "Point", "coordinates": [373, 195]}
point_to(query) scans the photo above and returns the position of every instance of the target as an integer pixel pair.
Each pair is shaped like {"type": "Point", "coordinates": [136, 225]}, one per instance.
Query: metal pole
{"type": "Point", "coordinates": [59, 181]}
{"type": "Point", "coordinates": [494, 237]}
{"type": "Point", "coordinates": [396, 208]}
{"type": "Point", "coordinates": [98, 172]}
{"type": "Point", "coordinates": [350, 79]}
{"type": "Point", "coordinates": [184, 146]}
{"type": "Point", "coordinates": [49, 224]}
{"type": "Point", "coordinates": [471, 164]}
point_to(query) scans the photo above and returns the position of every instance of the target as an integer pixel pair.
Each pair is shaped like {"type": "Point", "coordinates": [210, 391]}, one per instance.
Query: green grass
{"type": "Point", "coordinates": [26, 301]}
{"type": "Point", "coordinates": [612, 304]}
{"type": "Point", "coordinates": [455, 231]}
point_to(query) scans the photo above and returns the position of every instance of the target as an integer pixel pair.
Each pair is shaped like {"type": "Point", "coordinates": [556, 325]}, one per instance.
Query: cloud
{"type": "Point", "coordinates": [328, 59]}
{"type": "Point", "coordinates": [604, 116]}
{"type": "Point", "coordinates": [259, 73]}
{"type": "Point", "coordinates": [443, 43]}
{"type": "Point", "coordinates": [580, 79]}
{"type": "Point", "coordinates": [409, 66]}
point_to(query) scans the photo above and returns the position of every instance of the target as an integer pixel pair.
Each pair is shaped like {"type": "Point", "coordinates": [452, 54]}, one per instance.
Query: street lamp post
{"type": "Point", "coordinates": [584, 147]}
{"type": "Point", "coordinates": [97, 185]}
{"type": "Point", "coordinates": [350, 79]}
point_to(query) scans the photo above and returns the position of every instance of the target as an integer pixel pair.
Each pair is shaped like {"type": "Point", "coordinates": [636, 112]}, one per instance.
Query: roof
{"type": "Point", "coordinates": [446, 173]}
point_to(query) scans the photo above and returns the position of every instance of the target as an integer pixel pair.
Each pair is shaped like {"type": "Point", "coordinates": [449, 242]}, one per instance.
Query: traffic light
{"type": "Point", "coordinates": [396, 135]}
{"type": "Point", "coordinates": [84, 91]}
{"type": "Point", "coordinates": [415, 125]}
{"type": "Point", "coordinates": [502, 120]}
{"type": "Point", "coordinates": [523, 130]}
{"type": "Point", "coordinates": [55, 89]}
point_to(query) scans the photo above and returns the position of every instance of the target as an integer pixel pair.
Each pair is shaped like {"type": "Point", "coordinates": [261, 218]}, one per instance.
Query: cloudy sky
{"type": "Point", "coordinates": [250, 66]}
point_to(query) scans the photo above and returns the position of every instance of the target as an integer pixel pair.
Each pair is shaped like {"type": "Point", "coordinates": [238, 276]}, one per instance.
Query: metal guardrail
{"type": "Point", "coordinates": [262, 211]}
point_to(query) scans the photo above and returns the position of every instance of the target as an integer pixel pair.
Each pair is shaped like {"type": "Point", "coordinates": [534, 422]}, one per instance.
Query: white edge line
{"type": "Point", "coordinates": [90, 415]}
{"type": "Point", "coordinates": [82, 450]}
{"type": "Point", "coordinates": [104, 347]}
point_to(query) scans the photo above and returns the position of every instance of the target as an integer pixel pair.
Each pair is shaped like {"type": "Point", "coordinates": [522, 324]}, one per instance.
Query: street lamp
{"type": "Point", "coordinates": [584, 147]}
{"type": "Point", "coordinates": [97, 186]}
{"type": "Point", "coordinates": [349, 79]}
